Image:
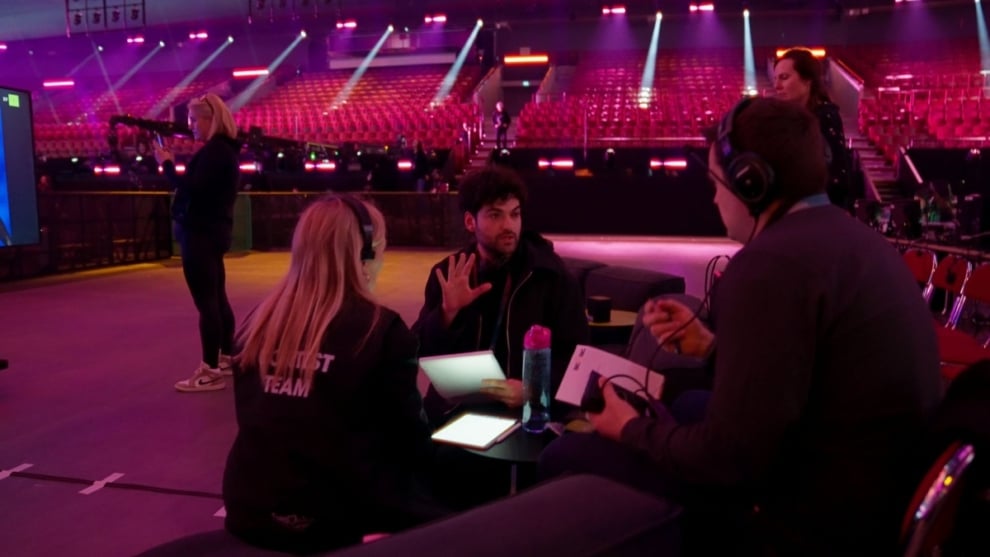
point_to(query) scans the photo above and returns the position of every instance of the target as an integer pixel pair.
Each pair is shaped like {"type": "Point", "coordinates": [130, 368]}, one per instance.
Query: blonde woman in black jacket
{"type": "Point", "coordinates": [203, 215]}
{"type": "Point", "coordinates": [332, 433]}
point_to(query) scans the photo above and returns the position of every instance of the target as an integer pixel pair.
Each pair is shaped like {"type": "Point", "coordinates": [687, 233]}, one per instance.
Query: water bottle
{"type": "Point", "coordinates": [536, 379]}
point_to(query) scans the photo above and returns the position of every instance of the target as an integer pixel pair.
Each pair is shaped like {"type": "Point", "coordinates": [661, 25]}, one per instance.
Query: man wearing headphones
{"type": "Point", "coordinates": [824, 362]}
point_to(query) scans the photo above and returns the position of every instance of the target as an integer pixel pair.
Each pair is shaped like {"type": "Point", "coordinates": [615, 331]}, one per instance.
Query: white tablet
{"type": "Point", "coordinates": [476, 431]}
{"type": "Point", "coordinates": [458, 377]}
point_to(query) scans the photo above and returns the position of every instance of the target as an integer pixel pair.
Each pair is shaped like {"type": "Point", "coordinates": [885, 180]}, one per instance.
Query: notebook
{"type": "Point", "coordinates": [458, 377]}
{"type": "Point", "coordinates": [476, 431]}
{"type": "Point", "coordinates": [588, 358]}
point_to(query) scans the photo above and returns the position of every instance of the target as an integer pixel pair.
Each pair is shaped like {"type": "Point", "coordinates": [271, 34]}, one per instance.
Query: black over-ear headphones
{"type": "Point", "coordinates": [364, 222]}
{"type": "Point", "coordinates": [749, 177]}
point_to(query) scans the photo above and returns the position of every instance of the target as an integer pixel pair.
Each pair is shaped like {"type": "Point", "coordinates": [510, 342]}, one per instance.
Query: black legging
{"type": "Point", "coordinates": [502, 137]}
{"type": "Point", "coordinates": [202, 265]}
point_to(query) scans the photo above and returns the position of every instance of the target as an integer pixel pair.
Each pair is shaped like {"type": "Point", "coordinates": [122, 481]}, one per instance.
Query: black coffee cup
{"type": "Point", "coordinates": [600, 309]}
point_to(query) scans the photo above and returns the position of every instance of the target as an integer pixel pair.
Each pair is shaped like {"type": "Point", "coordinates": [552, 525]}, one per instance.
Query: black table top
{"type": "Point", "coordinates": [519, 447]}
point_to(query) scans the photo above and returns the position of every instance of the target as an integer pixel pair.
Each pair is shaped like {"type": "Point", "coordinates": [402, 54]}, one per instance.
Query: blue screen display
{"type": "Point", "coordinates": [18, 196]}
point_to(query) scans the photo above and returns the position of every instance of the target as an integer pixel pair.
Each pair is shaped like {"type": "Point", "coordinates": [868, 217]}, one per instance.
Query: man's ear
{"type": "Point", "coordinates": [469, 221]}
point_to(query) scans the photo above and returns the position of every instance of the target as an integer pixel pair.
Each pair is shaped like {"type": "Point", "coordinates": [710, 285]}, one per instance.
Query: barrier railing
{"type": "Point", "coordinates": [87, 230]}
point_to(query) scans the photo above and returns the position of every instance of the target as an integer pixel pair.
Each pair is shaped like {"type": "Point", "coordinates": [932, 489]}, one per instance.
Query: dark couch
{"type": "Point", "coordinates": [576, 516]}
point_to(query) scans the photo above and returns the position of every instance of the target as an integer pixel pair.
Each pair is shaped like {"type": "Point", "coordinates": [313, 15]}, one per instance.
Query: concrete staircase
{"type": "Point", "coordinates": [483, 152]}
{"type": "Point", "coordinates": [555, 83]}
{"type": "Point", "coordinates": [880, 175]}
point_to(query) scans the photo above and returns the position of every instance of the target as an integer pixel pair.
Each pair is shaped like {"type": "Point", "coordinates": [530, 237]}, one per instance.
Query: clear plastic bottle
{"type": "Point", "coordinates": [536, 379]}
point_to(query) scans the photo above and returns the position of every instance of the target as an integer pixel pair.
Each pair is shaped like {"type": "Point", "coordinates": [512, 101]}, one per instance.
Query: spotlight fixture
{"type": "Point", "coordinates": [816, 52]}
{"type": "Point", "coordinates": [544, 163]}
{"type": "Point", "coordinates": [49, 84]}
{"type": "Point", "coordinates": [524, 59]}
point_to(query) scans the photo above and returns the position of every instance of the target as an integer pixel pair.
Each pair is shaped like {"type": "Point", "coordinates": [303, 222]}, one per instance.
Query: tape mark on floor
{"type": "Point", "coordinates": [4, 474]}
{"type": "Point", "coordinates": [100, 484]}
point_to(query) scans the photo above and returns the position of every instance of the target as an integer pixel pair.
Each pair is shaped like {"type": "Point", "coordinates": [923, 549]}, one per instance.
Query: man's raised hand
{"type": "Point", "coordinates": [456, 286]}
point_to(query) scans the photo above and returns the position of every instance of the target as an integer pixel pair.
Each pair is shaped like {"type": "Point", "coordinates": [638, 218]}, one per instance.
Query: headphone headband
{"type": "Point", "coordinates": [364, 223]}
{"type": "Point", "coordinates": [748, 176]}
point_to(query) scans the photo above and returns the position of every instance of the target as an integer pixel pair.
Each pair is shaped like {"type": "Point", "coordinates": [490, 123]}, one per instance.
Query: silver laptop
{"type": "Point", "coordinates": [458, 377]}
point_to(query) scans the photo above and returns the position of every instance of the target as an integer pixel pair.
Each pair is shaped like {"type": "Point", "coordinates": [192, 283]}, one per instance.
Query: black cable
{"type": "Point", "coordinates": [663, 342]}
{"type": "Point", "coordinates": [165, 490]}
{"type": "Point", "coordinates": [640, 389]}
{"type": "Point", "coordinates": [51, 478]}
{"type": "Point", "coordinates": [709, 270]}
{"type": "Point", "coordinates": [117, 485]}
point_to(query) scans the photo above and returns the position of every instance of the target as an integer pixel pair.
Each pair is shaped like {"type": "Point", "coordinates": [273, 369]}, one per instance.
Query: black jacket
{"type": "Point", "coordinates": [839, 186]}
{"type": "Point", "coordinates": [826, 374]}
{"type": "Point", "coordinates": [501, 119]}
{"type": "Point", "coordinates": [352, 446]}
{"type": "Point", "coordinates": [543, 292]}
{"type": "Point", "coordinates": [205, 195]}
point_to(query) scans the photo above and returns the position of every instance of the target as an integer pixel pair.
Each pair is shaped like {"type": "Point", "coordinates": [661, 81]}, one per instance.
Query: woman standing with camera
{"type": "Point", "coordinates": [203, 215]}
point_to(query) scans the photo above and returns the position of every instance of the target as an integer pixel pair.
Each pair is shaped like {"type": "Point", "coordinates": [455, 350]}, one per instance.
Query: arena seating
{"type": "Point", "coordinates": [689, 93]}
{"type": "Point", "coordinates": [74, 122]}
{"type": "Point", "coordinates": [385, 102]}
{"type": "Point", "coordinates": [931, 95]}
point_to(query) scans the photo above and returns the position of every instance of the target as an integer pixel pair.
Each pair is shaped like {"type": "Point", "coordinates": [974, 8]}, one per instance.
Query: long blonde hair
{"type": "Point", "coordinates": [286, 330]}
{"type": "Point", "coordinates": [213, 106]}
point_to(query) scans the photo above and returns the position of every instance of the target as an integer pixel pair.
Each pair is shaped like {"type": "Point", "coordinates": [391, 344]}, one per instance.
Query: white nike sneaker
{"type": "Point", "coordinates": [203, 379]}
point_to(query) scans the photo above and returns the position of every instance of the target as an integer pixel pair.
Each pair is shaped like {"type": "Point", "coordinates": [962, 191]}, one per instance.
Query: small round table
{"type": "Point", "coordinates": [619, 318]}
{"type": "Point", "coordinates": [518, 448]}
{"type": "Point", "coordinates": [616, 330]}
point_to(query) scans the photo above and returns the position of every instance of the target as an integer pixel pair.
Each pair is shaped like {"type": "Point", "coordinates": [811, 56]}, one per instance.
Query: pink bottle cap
{"type": "Point", "coordinates": [537, 338]}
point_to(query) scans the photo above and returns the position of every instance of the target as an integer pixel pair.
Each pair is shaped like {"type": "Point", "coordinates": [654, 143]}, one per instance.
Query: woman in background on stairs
{"type": "Point", "coordinates": [797, 77]}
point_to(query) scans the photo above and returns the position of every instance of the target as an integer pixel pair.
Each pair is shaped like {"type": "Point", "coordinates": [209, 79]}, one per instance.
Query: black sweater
{"type": "Point", "coordinates": [351, 445]}
{"type": "Point", "coordinates": [826, 370]}
{"type": "Point", "coordinates": [205, 195]}
{"type": "Point", "coordinates": [543, 292]}
{"type": "Point", "coordinates": [839, 185]}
